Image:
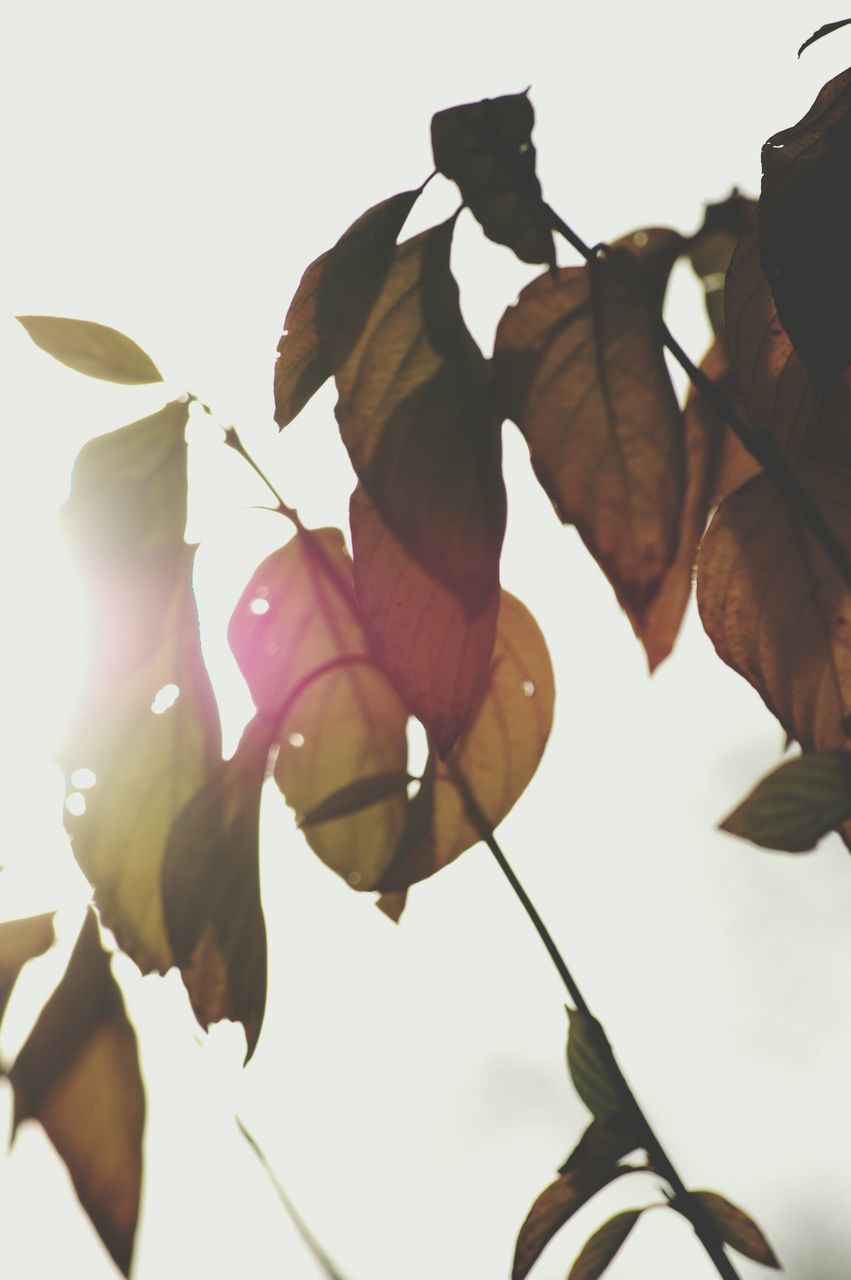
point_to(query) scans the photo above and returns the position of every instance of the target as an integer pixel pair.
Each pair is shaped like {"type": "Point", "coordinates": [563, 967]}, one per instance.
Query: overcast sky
{"type": "Point", "coordinates": [170, 170]}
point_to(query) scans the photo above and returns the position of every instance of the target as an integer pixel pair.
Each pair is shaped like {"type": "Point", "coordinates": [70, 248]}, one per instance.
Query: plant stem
{"type": "Point", "coordinates": [683, 1200]}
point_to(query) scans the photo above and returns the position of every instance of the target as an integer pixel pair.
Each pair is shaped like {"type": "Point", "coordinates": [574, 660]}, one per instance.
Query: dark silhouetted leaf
{"type": "Point", "coordinates": [776, 609]}
{"type": "Point", "coordinates": [496, 756]}
{"type": "Point", "coordinates": [711, 249]}
{"type": "Point", "coordinates": [593, 1070]}
{"type": "Point", "coordinates": [826, 30]}
{"type": "Point", "coordinates": [604, 1143]}
{"type": "Point", "coordinates": [335, 296]}
{"type": "Point", "coordinates": [414, 413]}
{"type": "Point", "coordinates": [797, 804]}
{"type": "Point", "coordinates": [581, 370]}
{"type": "Point", "coordinates": [736, 1229]}
{"type": "Point", "coordinates": [211, 890]}
{"type": "Point", "coordinates": [91, 348]}
{"type": "Point", "coordinates": [78, 1075]}
{"type": "Point", "coordinates": [486, 148]}
{"type": "Point", "coordinates": [556, 1204]}
{"type": "Point", "coordinates": [436, 656]}
{"type": "Point", "coordinates": [20, 941]}
{"type": "Point", "coordinates": [732, 464]}
{"type": "Point", "coordinates": [356, 796]}
{"type": "Point", "coordinates": [600, 1249]}
{"type": "Point", "coordinates": [805, 210]}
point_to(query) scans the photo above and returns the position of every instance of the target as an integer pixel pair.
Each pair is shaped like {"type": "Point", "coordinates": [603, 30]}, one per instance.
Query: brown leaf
{"type": "Point", "coordinates": [20, 941]}
{"type": "Point", "coordinates": [602, 1247]}
{"type": "Point", "coordinates": [711, 249]}
{"type": "Point", "coordinates": [78, 1075]}
{"type": "Point", "coordinates": [604, 1143]}
{"type": "Point", "coordinates": [737, 1229]}
{"type": "Point", "coordinates": [826, 30]}
{"type": "Point", "coordinates": [556, 1204]}
{"type": "Point", "coordinates": [580, 369]}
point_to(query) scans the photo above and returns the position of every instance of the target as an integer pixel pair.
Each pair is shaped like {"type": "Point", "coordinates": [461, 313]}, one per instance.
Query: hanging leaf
{"type": "Point", "coordinates": [556, 1204]}
{"type": "Point", "coordinates": [436, 656]}
{"type": "Point", "coordinates": [78, 1075]}
{"type": "Point", "coordinates": [211, 890]}
{"type": "Point", "coordinates": [596, 1076]}
{"type": "Point", "coordinates": [805, 209]}
{"type": "Point", "coordinates": [486, 148]}
{"type": "Point", "coordinates": [91, 348]}
{"type": "Point", "coordinates": [711, 249]}
{"type": "Point", "coordinates": [496, 756]}
{"type": "Point", "coordinates": [580, 368]}
{"type": "Point", "coordinates": [20, 941]}
{"type": "Point", "coordinates": [392, 904]}
{"type": "Point", "coordinates": [600, 1249]}
{"type": "Point", "coordinates": [797, 804]}
{"type": "Point", "coordinates": [826, 30]}
{"type": "Point", "coordinates": [776, 609]}
{"type": "Point", "coordinates": [332, 302]}
{"type": "Point", "coordinates": [414, 413]}
{"type": "Point", "coordinates": [736, 1229]}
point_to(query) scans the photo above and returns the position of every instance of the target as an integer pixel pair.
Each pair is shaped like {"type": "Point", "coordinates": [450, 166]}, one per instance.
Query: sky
{"type": "Point", "coordinates": [171, 169]}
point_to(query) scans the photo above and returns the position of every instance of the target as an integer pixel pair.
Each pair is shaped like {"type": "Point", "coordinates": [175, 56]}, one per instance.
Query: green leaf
{"type": "Point", "coordinates": [211, 890]}
{"type": "Point", "coordinates": [415, 415]}
{"type": "Point", "coordinates": [736, 1229]}
{"type": "Point", "coordinates": [94, 349]}
{"type": "Point", "coordinates": [78, 1075]}
{"type": "Point", "coordinates": [593, 1070]}
{"type": "Point", "coordinates": [486, 148]}
{"type": "Point", "coordinates": [356, 796]}
{"type": "Point", "coordinates": [580, 368]}
{"type": "Point", "coordinates": [556, 1204]}
{"type": "Point", "coordinates": [20, 941]}
{"type": "Point", "coordinates": [805, 209]}
{"type": "Point", "coordinates": [600, 1249]}
{"type": "Point", "coordinates": [797, 804]}
{"type": "Point", "coordinates": [332, 303]}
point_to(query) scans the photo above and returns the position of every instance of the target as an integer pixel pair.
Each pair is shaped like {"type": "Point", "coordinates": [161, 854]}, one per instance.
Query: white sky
{"type": "Point", "coordinates": [170, 170]}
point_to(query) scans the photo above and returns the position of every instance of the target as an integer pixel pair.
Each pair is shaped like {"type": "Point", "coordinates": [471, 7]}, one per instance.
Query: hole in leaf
{"type": "Point", "coordinates": [413, 787]}
{"type": "Point", "coordinates": [258, 605]}
{"type": "Point", "coordinates": [417, 747]}
{"type": "Point", "coordinates": [528, 687]}
{"type": "Point", "coordinates": [296, 740]}
{"type": "Point", "coordinates": [83, 779]}
{"type": "Point", "coordinates": [76, 803]}
{"type": "Point", "coordinates": [165, 698]}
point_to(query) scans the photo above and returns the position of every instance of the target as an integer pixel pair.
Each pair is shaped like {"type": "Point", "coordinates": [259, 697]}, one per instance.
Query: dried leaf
{"type": "Point", "coordinates": [20, 941]}
{"type": "Point", "coordinates": [737, 1229]}
{"type": "Point", "coordinates": [797, 804]}
{"type": "Point", "coordinates": [600, 1249]}
{"type": "Point", "coordinates": [78, 1075]}
{"type": "Point", "coordinates": [594, 1071]}
{"type": "Point", "coordinates": [580, 369]}
{"type": "Point", "coordinates": [211, 890]}
{"type": "Point", "coordinates": [556, 1204]}
{"type": "Point", "coordinates": [332, 302]}
{"type": "Point", "coordinates": [826, 30]}
{"type": "Point", "coordinates": [94, 349]}
{"type": "Point", "coordinates": [486, 148]}
{"type": "Point", "coordinates": [805, 209]}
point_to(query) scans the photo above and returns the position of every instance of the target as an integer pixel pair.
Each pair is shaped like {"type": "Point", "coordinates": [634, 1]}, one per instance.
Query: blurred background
{"type": "Point", "coordinates": [170, 170]}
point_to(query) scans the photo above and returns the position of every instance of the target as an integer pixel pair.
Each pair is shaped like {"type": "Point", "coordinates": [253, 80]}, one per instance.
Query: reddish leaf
{"type": "Point", "coordinates": [556, 1204]}
{"type": "Point", "coordinates": [601, 1248]}
{"type": "Point", "coordinates": [604, 1143]}
{"type": "Point", "coordinates": [737, 1229]}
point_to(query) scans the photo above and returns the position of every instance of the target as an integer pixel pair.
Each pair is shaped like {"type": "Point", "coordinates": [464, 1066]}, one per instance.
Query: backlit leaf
{"type": "Point", "coordinates": [20, 941]}
{"type": "Point", "coordinates": [356, 796]}
{"type": "Point", "coordinates": [600, 1249]}
{"type": "Point", "coordinates": [556, 1204]}
{"type": "Point", "coordinates": [486, 148]}
{"type": "Point", "coordinates": [435, 654]}
{"type": "Point", "coordinates": [415, 415]}
{"type": "Point", "coordinates": [335, 296]}
{"type": "Point", "coordinates": [737, 1229]}
{"type": "Point", "coordinates": [94, 349]}
{"type": "Point", "coordinates": [797, 804]}
{"type": "Point", "coordinates": [211, 890]}
{"type": "Point", "coordinates": [593, 1070]}
{"type": "Point", "coordinates": [805, 210]}
{"type": "Point", "coordinates": [580, 369]}
{"type": "Point", "coordinates": [776, 609]}
{"type": "Point", "coordinates": [78, 1075]}
{"type": "Point", "coordinates": [496, 756]}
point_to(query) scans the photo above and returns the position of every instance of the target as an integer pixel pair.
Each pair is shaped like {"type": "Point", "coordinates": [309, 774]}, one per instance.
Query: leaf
{"type": "Point", "coordinates": [593, 1070]}
{"type": "Point", "coordinates": [486, 148]}
{"type": "Point", "coordinates": [94, 349]}
{"type": "Point", "coordinates": [393, 904]}
{"type": "Point", "coordinates": [20, 941]}
{"type": "Point", "coordinates": [332, 302]}
{"type": "Point", "coordinates": [797, 804]}
{"type": "Point", "coordinates": [211, 890]}
{"type": "Point", "coordinates": [78, 1075]}
{"type": "Point", "coordinates": [600, 1249]}
{"type": "Point", "coordinates": [435, 655]}
{"type": "Point", "coordinates": [776, 609]}
{"type": "Point", "coordinates": [356, 796]}
{"type": "Point", "coordinates": [737, 1229]}
{"type": "Point", "coordinates": [496, 756]}
{"type": "Point", "coordinates": [556, 1204]}
{"type": "Point", "coordinates": [415, 415]}
{"type": "Point", "coordinates": [711, 249]}
{"type": "Point", "coordinates": [805, 208]}
{"type": "Point", "coordinates": [580, 368]}
{"type": "Point", "coordinates": [732, 464]}
{"type": "Point", "coordinates": [604, 1143]}
{"type": "Point", "coordinates": [826, 30]}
